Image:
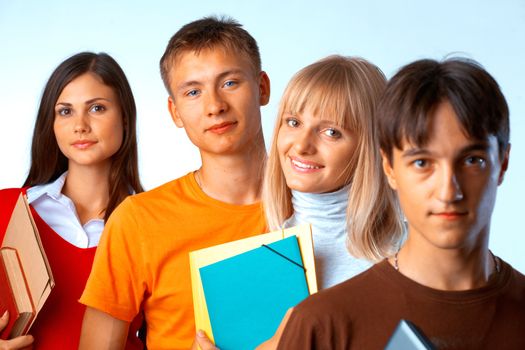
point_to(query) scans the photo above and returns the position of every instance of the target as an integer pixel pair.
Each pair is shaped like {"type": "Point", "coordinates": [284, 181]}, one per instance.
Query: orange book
{"type": "Point", "coordinates": [14, 295]}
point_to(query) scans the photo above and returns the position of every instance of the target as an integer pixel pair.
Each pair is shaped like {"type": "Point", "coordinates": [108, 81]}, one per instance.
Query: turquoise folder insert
{"type": "Point", "coordinates": [247, 295]}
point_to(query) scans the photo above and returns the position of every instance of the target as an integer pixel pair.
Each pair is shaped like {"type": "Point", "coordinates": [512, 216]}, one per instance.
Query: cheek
{"type": "Point", "coordinates": [282, 143]}
{"type": "Point", "coordinates": [119, 134]}
{"type": "Point", "coordinates": [58, 130]}
{"type": "Point", "coordinates": [114, 132]}
{"type": "Point", "coordinates": [341, 157]}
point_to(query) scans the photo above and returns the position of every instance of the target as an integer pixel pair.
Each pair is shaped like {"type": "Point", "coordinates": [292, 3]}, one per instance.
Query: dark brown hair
{"type": "Point", "coordinates": [48, 162]}
{"type": "Point", "coordinates": [407, 108]}
{"type": "Point", "coordinates": [207, 33]}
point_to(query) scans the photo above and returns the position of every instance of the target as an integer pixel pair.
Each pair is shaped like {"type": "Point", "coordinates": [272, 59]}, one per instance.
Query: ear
{"type": "Point", "coordinates": [174, 113]}
{"type": "Point", "coordinates": [264, 88]}
{"type": "Point", "coordinates": [504, 165]}
{"type": "Point", "coordinates": [389, 171]}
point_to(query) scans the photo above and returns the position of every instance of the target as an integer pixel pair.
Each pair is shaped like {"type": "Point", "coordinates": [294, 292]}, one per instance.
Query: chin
{"type": "Point", "coordinates": [452, 241]}
{"type": "Point", "coordinates": [304, 188]}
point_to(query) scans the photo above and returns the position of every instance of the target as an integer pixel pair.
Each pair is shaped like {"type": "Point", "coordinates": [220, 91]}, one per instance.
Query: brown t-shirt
{"type": "Point", "coordinates": [363, 312]}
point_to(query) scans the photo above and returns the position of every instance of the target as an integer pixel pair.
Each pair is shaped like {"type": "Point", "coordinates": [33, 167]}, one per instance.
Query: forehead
{"type": "Point", "coordinates": [447, 134]}
{"type": "Point", "coordinates": [209, 59]}
{"type": "Point", "coordinates": [86, 84]}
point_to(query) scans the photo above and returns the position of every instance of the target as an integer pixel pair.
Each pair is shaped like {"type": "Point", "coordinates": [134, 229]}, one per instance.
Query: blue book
{"type": "Point", "coordinates": [248, 294]}
{"type": "Point", "coordinates": [408, 337]}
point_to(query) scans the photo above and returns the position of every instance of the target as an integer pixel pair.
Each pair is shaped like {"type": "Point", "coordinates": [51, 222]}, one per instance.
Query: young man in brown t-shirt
{"type": "Point", "coordinates": [444, 134]}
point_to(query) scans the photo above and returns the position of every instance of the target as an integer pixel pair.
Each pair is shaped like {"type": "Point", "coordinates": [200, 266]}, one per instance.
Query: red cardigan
{"type": "Point", "coordinates": [59, 322]}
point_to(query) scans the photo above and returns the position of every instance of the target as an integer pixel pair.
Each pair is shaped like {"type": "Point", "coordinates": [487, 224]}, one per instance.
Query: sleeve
{"type": "Point", "coordinates": [302, 331]}
{"type": "Point", "coordinates": [116, 284]}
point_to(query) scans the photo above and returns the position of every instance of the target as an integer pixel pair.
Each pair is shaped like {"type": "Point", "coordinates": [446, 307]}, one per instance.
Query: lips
{"type": "Point", "coordinates": [83, 144]}
{"type": "Point", "coordinates": [221, 128]}
{"type": "Point", "coordinates": [450, 215]}
{"type": "Point", "coordinates": [304, 166]}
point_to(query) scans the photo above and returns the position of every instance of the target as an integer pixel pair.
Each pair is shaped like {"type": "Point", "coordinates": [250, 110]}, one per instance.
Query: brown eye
{"type": "Point", "coordinates": [292, 122]}
{"type": "Point", "coordinates": [475, 161]}
{"type": "Point", "coordinates": [97, 108]}
{"type": "Point", "coordinates": [64, 111]}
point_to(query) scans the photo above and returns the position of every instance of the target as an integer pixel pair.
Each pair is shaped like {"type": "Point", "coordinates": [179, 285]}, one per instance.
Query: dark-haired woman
{"type": "Point", "coordinates": [83, 164]}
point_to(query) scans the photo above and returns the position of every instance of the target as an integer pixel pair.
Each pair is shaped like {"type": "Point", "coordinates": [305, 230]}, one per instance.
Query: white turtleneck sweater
{"type": "Point", "coordinates": [327, 214]}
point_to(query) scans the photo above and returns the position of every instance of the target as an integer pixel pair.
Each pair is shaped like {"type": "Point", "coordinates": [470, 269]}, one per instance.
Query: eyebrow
{"type": "Point", "coordinates": [412, 152]}
{"type": "Point", "coordinates": [67, 104]}
{"type": "Point", "coordinates": [477, 146]}
{"type": "Point", "coordinates": [222, 75]}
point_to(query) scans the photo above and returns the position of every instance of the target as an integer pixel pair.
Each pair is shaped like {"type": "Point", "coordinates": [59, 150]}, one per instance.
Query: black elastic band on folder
{"type": "Point", "coordinates": [287, 258]}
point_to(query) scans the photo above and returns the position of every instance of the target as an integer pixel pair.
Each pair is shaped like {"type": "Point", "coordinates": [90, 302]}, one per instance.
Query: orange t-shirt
{"type": "Point", "coordinates": [142, 261]}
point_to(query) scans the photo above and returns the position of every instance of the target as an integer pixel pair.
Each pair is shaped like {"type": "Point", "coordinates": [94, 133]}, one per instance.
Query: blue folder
{"type": "Point", "coordinates": [408, 337]}
{"type": "Point", "coordinates": [247, 295]}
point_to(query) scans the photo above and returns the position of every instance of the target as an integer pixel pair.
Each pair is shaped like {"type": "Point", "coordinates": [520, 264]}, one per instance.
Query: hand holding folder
{"type": "Point", "coordinates": [242, 289]}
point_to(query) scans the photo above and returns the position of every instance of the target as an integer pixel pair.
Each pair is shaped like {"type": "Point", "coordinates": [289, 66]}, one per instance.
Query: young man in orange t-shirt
{"type": "Point", "coordinates": [212, 71]}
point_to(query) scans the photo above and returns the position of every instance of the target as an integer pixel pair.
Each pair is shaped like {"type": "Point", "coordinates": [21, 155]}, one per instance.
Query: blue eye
{"type": "Point", "coordinates": [420, 163]}
{"type": "Point", "coordinates": [230, 83]}
{"type": "Point", "coordinates": [192, 93]}
{"type": "Point", "coordinates": [332, 133]}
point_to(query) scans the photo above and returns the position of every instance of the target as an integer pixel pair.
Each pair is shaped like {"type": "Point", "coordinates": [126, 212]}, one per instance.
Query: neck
{"type": "Point", "coordinates": [446, 269]}
{"type": "Point", "coordinates": [88, 188]}
{"type": "Point", "coordinates": [234, 179]}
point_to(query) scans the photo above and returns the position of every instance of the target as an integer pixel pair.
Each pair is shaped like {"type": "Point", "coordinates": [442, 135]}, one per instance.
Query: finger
{"type": "Point", "coordinates": [194, 345]}
{"type": "Point", "coordinates": [204, 342]}
{"type": "Point", "coordinates": [21, 342]}
{"type": "Point", "coordinates": [4, 319]}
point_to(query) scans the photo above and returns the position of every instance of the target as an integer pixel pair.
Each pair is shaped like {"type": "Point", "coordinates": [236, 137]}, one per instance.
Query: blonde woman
{"type": "Point", "coordinates": [324, 167]}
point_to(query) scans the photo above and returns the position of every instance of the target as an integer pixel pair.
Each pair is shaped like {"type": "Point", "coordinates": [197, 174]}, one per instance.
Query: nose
{"type": "Point", "coordinates": [304, 143]}
{"type": "Point", "coordinates": [450, 188]}
{"type": "Point", "coordinates": [81, 123]}
{"type": "Point", "coordinates": [215, 104]}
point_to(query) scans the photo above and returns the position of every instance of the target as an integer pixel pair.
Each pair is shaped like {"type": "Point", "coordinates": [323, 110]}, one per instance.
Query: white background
{"type": "Point", "coordinates": [35, 36]}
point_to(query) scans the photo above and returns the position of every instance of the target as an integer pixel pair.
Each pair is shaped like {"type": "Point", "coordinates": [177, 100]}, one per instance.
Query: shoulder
{"type": "Point", "coordinates": [512, 280]}
{"type": "Point", "coordinates": [8, 198]}
{"type": "Point", "coordinates": [159, 206]}
{"type": "Point", "coordinates": [10, 193]}
{"type": "Point", "coordinates": [173, 190]}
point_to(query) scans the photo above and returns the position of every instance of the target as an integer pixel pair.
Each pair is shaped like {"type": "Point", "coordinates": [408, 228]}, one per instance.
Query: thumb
{"type": "Point", "coordinates": [4, 319]}
{"type": "Point", "coordinates": [204, 342]}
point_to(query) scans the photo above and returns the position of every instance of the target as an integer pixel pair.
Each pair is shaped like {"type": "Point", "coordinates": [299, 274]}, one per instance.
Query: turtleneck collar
{"type": "Point", "coordinates": [320, 209]}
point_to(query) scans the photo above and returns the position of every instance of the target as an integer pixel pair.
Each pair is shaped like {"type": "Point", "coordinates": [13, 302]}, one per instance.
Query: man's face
{"type": "Point", "coordinates": [216, 98]}
{"type": "Point", "coordinates": [447, 188]}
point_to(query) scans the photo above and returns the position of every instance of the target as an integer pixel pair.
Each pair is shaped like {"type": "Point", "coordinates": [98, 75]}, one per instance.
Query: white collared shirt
{"type": "Point", "coordinates": [59, 212]}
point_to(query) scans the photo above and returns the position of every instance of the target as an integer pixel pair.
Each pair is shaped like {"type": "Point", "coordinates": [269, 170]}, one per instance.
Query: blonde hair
{"type": "Point", "coordinates": [345, 90]}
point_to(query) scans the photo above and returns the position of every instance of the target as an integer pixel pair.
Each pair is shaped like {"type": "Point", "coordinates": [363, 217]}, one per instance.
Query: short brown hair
{"type": "Point", "coordinates": [407, 108]}
{"type": "Point", "coordinates": [207, 33]}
